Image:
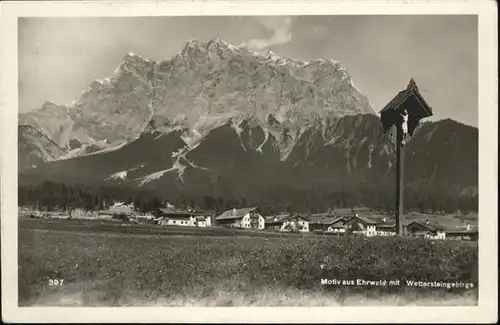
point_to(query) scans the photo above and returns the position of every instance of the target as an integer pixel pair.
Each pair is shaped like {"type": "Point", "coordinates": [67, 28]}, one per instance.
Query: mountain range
{"type": "Point", "coordinates": [222, 120]}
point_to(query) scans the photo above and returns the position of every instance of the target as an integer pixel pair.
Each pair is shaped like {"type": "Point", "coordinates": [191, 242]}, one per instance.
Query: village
{"type": "Point", "coordinates": [336, 222]}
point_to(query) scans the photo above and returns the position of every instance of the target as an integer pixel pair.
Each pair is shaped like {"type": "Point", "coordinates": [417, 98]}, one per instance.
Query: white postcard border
{"type": "Point", "coordinates": [486, 311]}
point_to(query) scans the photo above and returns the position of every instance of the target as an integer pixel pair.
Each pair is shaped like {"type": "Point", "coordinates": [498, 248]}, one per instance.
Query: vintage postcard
{"type": "Point", "coordinates": [316, 161]}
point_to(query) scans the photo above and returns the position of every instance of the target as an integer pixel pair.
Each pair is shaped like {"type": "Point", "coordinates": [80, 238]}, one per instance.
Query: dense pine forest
{"type": "Point", "coordinates": [50, 195]}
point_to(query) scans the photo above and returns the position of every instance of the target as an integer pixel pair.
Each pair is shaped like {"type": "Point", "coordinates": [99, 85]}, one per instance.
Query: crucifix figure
{"type": "Point", "coordinates": [403, 113]}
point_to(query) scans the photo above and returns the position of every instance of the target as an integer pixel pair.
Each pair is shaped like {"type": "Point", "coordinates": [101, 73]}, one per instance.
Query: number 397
{"type": "Point", "coordinates": [56, 282]}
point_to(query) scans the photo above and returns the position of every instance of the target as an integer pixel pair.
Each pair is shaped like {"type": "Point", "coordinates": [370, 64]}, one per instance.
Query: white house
{"type": "Point", "coordinates": [148, 217]}
{"type": "Point", "coordinates": [440, 234]}
{"type": "Point", "coordinates": [241, 218]}
{"type": "Point", "coordinates": [190, 218]}
{"type": "Point", "coordinates": [120, 207]}
{"type": "Point", "coordinates": [287, 222]}
{"type": "Point", "coordinates": [203, 221]}
{"type": "Point", "coordinates": [370, 226]}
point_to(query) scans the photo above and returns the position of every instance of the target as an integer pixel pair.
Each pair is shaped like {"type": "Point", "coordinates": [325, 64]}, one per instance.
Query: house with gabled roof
{"type": "Point", "coordinates": [427, 229]}
{"type": "Point", "coordinates": [176, 217]}
{"type": "Point", "coordinates": [320, 221]}
{"type": "Point", "coordinates": [333, 218]}
{"type": "Point", "coordinates": [287, 222]}
{"type": "Point", "coordinates": [371, 225]}
{"type": "Point", "coordinates": [247, 218]}
{"type": "Point", "coordinates": [433, 230]}
{"type": "Point", "coordinates": [338, 226]}
{"type": "Point", "coordinates": [122, 208]}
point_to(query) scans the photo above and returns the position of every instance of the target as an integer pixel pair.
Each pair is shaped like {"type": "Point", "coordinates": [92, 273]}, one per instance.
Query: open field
{"type": "Point", "coordinates": [102, 266]}
{"type": "Point", "coordinates": [100, 226]}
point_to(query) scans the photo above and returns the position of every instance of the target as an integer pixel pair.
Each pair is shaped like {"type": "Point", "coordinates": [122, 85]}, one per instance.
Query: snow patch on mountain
{"type": "Point", "coordinates": [151, 177]}
{"type": "Point", "coordinates": [191, 137]}
{"type": "Point", "coordinates": [119, 175]}
{"type": "Point", "coordinates": [333, 140]}
{"type": "Point", "coordinates": [266, 136]}
{"type": "Point", "coordinates": [236, 125]}
{"type": "Point", "coordinates": [123, 174]}
{"type": "Point", "coordinates": [93, 147]}
{"type": "Point", "coordinates": [109, 149]}
{"type": "Point", "coordinates": [190, 163]}
{"type": "Point", "coordinates": [177, 167]}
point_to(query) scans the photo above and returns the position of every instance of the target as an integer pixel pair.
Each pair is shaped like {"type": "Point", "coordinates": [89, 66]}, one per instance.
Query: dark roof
{"type": "Point", "coordinates": [374, 217]}
{"type": "Point", "coordinates": [342, 212]}
{"type": "Point", "coordinates": [169, 210]}
{"type": "Point", "coordinates": [402, 96]}
{"type": "Point", "coordinates": [235, 213]}
{"type": "Point", "coordinates": [462, 230]}
{"type": "Point", "coordinates": [177, 216]}
{"type": "Point", "coordinates": [396, 101]}
{"type": "Point", "coordinates": [180, 213]}
{"type": "Point", "coordinates": [375, 220]}
{"type": "Point", "coordinates": [388, 225]}
{"type": "Point", "coordinates": [204, 212]}
{"type": "Point", "coordinates": [367, 220]}
{"type": "Point", "coordinates": [338, 219]}
{"type": "Point", "coordinates": [322, 219]}
{"type": "Point", "coordinates": [410, 96]}
{"type": "Point", "coordinates": [435, 226]}
{"type": "Point", "coordinates": [383, 221]}
{"type": "Point", "coordinates": [282, 218]}
{"type": "Point", "coordinates": [279, 218]}
{"type": "Point", "coordinates": [431, 226]}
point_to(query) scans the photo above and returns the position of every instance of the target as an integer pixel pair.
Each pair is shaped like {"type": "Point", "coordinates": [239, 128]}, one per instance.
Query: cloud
{"type": "Point", "coordinates": [280, 28]}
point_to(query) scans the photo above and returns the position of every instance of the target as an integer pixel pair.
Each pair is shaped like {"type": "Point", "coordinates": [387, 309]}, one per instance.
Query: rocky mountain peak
{"type": "Point", "coordinates": [205, 85]}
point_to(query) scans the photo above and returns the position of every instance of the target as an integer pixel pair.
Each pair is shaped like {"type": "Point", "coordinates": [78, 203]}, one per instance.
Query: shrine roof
{"type": "Point", "coordinates": [404, 95]}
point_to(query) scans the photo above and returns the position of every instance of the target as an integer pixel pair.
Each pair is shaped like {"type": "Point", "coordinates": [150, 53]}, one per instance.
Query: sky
{"type": "Point", "coordinates": [59, 57]}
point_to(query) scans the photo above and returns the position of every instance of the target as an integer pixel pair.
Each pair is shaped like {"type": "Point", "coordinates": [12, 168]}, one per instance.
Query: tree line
{"type": "Point", "coordinates": [51, 195]}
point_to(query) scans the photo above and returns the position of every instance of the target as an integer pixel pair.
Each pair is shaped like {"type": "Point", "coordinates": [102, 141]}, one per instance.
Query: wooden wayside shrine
{"type": "Point", "coordinates": [407, 107]}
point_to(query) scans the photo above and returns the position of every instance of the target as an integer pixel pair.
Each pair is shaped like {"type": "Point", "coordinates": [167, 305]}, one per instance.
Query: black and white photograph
{"type": "Point", "coordinates": [248, 160]}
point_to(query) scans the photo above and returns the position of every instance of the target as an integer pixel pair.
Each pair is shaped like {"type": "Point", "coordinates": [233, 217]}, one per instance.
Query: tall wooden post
{"type": "Point", "coordinates": [407, 103]}
{"type": "Point", "coordinates": [399, 179]}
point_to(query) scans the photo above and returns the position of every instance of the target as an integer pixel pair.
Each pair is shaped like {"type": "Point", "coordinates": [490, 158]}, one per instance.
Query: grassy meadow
{"type": "Point", "coordinates": [113, 268]}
